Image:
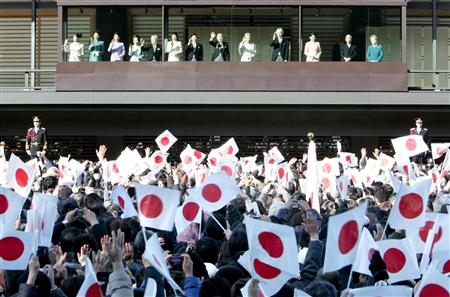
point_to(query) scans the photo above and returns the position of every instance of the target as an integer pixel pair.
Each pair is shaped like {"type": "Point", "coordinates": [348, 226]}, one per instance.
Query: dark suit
{"type": "Point", "coordinates": [220, 49]}
{"type": "Point", "coordinates": [282, 48]}
{"type": "Point", "coordinates": [36, 141]}
{"type": "Point", "coordinates": [152, 54]}
{"type": "Point", "coordinates": [191, 52]}
{"type": "Point", "coordinates": [348, 52]}
{"type": "Point", "coordinates": [421, 158]}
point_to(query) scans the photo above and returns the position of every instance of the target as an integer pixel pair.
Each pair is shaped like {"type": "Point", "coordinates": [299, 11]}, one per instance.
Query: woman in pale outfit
{"type": "Point", "coordinates": [75, 49]}
{"type": "Point", "coordinates": [96, 48]}
{"type": "Point", "coordinates": [375, 50]}
{"type": "Point", "coordinates": [116, 48]}
{"type": "Point", "coordinates": [174, 48]}
{"type": "Point", "coordinates": [247, 49]}
{"type": "Point", "coordinates": [134, 50]}
{"type": "Point", "coordinates": [312, 49]}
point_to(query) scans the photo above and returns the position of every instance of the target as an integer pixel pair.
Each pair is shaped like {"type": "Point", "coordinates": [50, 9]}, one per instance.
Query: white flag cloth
{"type": "Point", "coordinates": [434, 284]}
{"type": "Point", "coordinates": [329, 166]}
{"type": "Point", "coordinates": [355, 177]}
{"type": "Point", "coordinates": [366, 247]}
{"type": "Point", "coordinates": [370, 172]}
{"type": "Point", "coordinates": [90, 286]}
{"type": "Point", "coordinates": [190, 158]}
{"type": "Point", "coordinates": [342, 184]}
{"type": "Point", "coordinates": [150, 288]}
{"type": "Point", "coordinates": [157, 206]}
{"type": "Point", "coordinates": [272, 257]}
{"type": "Point", "coordinates": [437, 241]}
{"type": "Point", "coordinates": [65, 175]}
{"type": "Point", "coordinates": [216, 191]}
{"type": "Point", "coordinates": [400, 259]}
{"type": "Point", "coordinates": [284, 174]}
{"type": "Point", "coordinates": [119, 196]}
{"type": "Point", "coordinates": [155, 255]}
{"type": "Point", "coordinates": [385, 162]}
{"type": "Point", "coordinates": [127, 162]}
{"type": "Point", "coordinates": [3, 171]}
{"type": "Point", "coordinates": [409, 146]}
{"type": "Point", "coordinates": [11, 204]}
{"type": "Point", "coordinates": [439, 149]}
{"type": "Point", "coordinates": [190, 212]}
{"type": "Point", "coordinates": [229, 148]}
{"type": "Point", "coordinates": [419, 236]}
{"type": "Point", "coordinates": [410, 205]}
{"type": "Point", "coordinates": [214, 157]}
{"type": "Point", "coordinates": [46, 210]}
{"type": "Point", "coordinates": [312, 178]}
{"type": "Point", "coordinates": [165, 140]}
{"type": "Point", "coordinates": [275, 154]}
{"type": "Point", "coordinates": [227, 165]}
{"type": "Point", "coordinates": [248, 164]}
{"type": "Point", "coordinates": [342, 239]}
{"type": "Point", "coordinates": [200, 175]}
{"type": "Point", "coordinates": [157, 161]}
{"type": "Point", "coordinates": [20, 176]}
{"type": "Point", "coordinates": [298, 293]}
{"type": "Point", "coordinates": [385, 291]}
{"type": "Point", "coordinates": [328, 182]}
{"type": "Point", "coordinates": [15, 250]}
{"type": "Point", "coordinates": [348, 159]}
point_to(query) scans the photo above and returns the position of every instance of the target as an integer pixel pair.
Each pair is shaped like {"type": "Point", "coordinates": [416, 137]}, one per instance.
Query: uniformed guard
{"type": "Point", "coordinates": [36, 140]}
{"type": "Point", "coordinates": [420, 130]}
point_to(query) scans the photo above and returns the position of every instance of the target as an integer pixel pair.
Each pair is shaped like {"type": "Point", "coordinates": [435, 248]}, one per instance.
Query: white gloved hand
{"type": "Point", "coordinates": [28, 152]}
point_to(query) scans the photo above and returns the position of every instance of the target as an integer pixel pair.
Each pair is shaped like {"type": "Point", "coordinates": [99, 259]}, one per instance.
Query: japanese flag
{"type": "Point", "coordinates": [111, 172]}
{"type": "Point", "coordinates": [439, 149]}
{"type": "Point", "coordinates": [355, 177]}
{"type": "Point", "coordinates": [20, 176]}
{"type": "Point", "coordinates": [385, 291]}
{"type": "Point", "coordinates": [272, 257]}
{"type": "Point", "coordinates": [348, 159]}
{"type": "Point", "coordinates": [90, 286]}
{"type": "Point", "coordinates": [127, 162]}
{"type": "Point", "coordinates": [45, 212]}
{"type": "Point", "coordinates": [10, 206]}
{"type": "Point", "coordinates": [3, 171]}
{"type": "Point", "coordinates": [248, 164]}
{"type": "Point", "coordinates": [275, 154]}
{"type": "Point", "coordinates": [216, 191]}
{"type": "Point", "coordinates": [15, 250]}
{"type": "Point", "coordinates": [370, 172]}
{"type": "Point", "coordinates": [190, 158]}
{"type": "Point", "coordinates": [328, 182]}
{"type": "Point", "coordinates": [410, 205]}
{"type": "Point", "coordinates": [214, 157]}
{"type": "Point", "coordinates": [155, 255]}
{"type": "Point", "coordinates": [157, 161]}
{"type": "Point", "coordinates": [437, 242]}
{"type": "Point", "coordinates": [409, 146]}
{"type": "Point", "coordinates": [229, 148]}
{"type": "Point", "coordinates": [200, 175]}
{"type": "Point", "coordinates": [284, 174]}
{"type": "Point", "coordinates": [434, 284]}
{"type": "Point", "coordinates": [150, 288]}
{"type": "Point", "coordinates": [342, 238]}
{"type": "Point", "coordinates": [165, 140]}
{"type": "Point", "coordinates": [342, 184]}
{"type": "Point", "coordinates": [366, 247]}
{"type": "Point", "coordinates": [385, 162]}
{"type": "Point", "coordinates": [157, 206]}
{"type": "Point", "coordinates": [227, 165]}
{"type": "Point", "coordinates": [404, 165]}
{"type": "Point", "coordinates": [65, 176]}
{"type": "Point", "coordinates": [120, 197]}
{"type": "Point", "coordinates": [442, 262]}
{"type": "Point", "coordinates": [400, 259]}
{"type": "Point", "coordinates": [270, 168]}
{"type": "Point", "coordinates": [418, 236]}
{"type": "Point", "coordinates": [33, 163]}
{"type": "Point", "coordinates": [329, 166]}
{"type": "Point", "coordinates": [190, 212]}
{"type": "Point", "coordinates": [312, 178]}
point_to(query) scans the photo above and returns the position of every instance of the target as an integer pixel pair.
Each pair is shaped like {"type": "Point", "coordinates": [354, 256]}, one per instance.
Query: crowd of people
{"type": "Point", "coordinates": [203, 258]}
{"type": "Point", "coordinates": [194, 50]}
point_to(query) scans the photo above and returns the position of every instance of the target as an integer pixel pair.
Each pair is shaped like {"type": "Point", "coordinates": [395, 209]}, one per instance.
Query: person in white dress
{"type": "Point", "coordinates": [247, 49]}
{"type": "Point", "coordinates": [174, 48]}
{"type": "Point", "coordinates": [312, 49]}
{"type": "Point", "coordinates": [75, 49]}
{"type": "Point", "coordinates": [134, 50]}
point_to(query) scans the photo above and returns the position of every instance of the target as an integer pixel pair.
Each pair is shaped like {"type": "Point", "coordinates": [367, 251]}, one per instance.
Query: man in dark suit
{"type": "Point", "coordinates": [194, 50]}
{"type": "Point", "coordinates": [280, 46]}
{"type": "Point", "coordinates": [154, 49]}
{"type": "Point", "coordinates": [419, 130]}
{"type": "Point", "coordinates": [348, 50]}
{"type": "Point", "coordinates": [36, 140]}
{"type": "Point", "coordinates": [222, 51]}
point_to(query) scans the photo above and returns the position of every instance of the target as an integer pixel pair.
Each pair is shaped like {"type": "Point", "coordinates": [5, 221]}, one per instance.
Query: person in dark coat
{"type": "Point", "coordinates": [154, 49]}
{"type": "Point", "coordinates": [36, 140]}
{"type": "Point", "coordinates": [222, 51]}
{"type": "Point", "coordinates": [280, 46]}
{"type": "Point", "coordinates": [420, 130]}
{"type": "Point", "coordinates": [348, 50]}
{"type": "Point", "coordinates": [194, 49]}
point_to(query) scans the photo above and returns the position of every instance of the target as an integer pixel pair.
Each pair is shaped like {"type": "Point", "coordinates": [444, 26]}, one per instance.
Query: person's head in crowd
{"type": "Point", "coordinates": [174, 36]}
{"type": "Point", "coordinates": [76, 37]}
{"type": "Point", "coordinates": [71, 285]}
{"type": "Point", "coordinates": [220, 37]}
{"type": "Point", "coordinates": [215, 286]}
{"type": "Point", "coordinates": [321, 288]}
{"type": "Point", "coordinates": [136, 39]}
{"type": "Point", "coordinates": [193, 38]}
{"type": "Point", "coordinates": [348, 39]}
{"type": "Point", "coordinates": [96, 35]}
{"type": "Point", "coordinates": [154, 39]}
{"type": "Point", "coordinates": [279, 32]}
{"type": "Point", "coordinates": [36, 122]}
{"type": "Point", "coordinates": [116, 37]}
{"type": "Point", "coordinates": [247, 37]}
{"type": "Point", "coordinates": [419, 122]}
{"type": "Point", "coordinates": [373, 40]}
{"type": "Point", "coordinates": [312, 36]}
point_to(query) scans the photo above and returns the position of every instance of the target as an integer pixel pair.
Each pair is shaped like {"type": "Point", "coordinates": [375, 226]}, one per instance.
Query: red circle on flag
{"type": "Point", "coordinates": [341, 185]}
{"type": "Point", "coordinates": [198, 154]}
{"type": "Point", "coordinates": [94, 291]}
{"type": "Point", "coordinates": [434, 290]}
{"type": "Point", "coordinates": [115, 169]}
{"type": "Point", "coordinates": [326, 168]}
{"type": "Point", "coordinates": [213, 161]}
{"type": "Point", "coordinates": [227, 170]}
{"type": "Point", "coordinates": [434, 176]}
{"type": "Point", "coordinates": [271, 161]}
{"type": "Point", "coordinates": [158, 159]}
{"type": "Point", "coordinates": [211, 193]}
{"type": "Point", "coordinates": [151, 206]}
{"type": "Point", "coordinates": [272, 243]}
{"type": "Point", "coordinates": [440, 150]}
{"type": "Point", "coordinates": [11, 248]}
{"type": "Point", "coordinates": [121, 202]}
{"type": "Point", "coordinates": [395, 260]}
{"type": "Point", "coordinates": [326, 182]}
{"type": "Point", "coordinates": [281, 172]}
{"type": "Point", "coordinates": [446, 267]}
{"type": "Point", "coordinates": [230, 150]}
{"type": "Point", "coordinates": [187, 160]}
{"type": "Point", "coordinates": [411, 205]}
{"type": "Point", "coordinates": [190, 210]}
{"type": "Point", "coordinates": [411, 144]}
{"type": "Point", "coordinates": [3, 204]}
{"type": "Point", "coordinates": [165, 140]}
{"type": "Point", "coordinates": [348, 236]}
{"type": "Point", "coordinates": [406, 169]}
{"type": "Point", "coordinates": [265, 270]}
{"type": "Point", "coordinates": [21, 177]}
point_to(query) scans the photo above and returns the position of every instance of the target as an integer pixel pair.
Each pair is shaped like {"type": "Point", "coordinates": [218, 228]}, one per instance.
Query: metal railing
{"type": "Point", "coordinates": [29, 76]}
{"type": "Point", "coordinates": [435, 79]}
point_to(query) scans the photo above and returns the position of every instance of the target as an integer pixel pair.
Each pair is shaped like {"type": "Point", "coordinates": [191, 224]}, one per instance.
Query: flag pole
{"type": "Point", "coordinates": [217, 221]}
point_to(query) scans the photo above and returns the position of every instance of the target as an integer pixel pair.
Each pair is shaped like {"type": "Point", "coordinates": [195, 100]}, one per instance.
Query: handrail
{"type": "Point", "coordinates": [27, 72]}
{"type": "Point", "coordinates": [437, 71]}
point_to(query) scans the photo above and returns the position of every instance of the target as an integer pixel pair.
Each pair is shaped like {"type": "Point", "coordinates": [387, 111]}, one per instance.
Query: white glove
{"type": "Point", "coordinates": [28, 152]}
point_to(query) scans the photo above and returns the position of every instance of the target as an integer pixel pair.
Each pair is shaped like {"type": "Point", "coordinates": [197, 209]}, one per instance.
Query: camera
{"type": "Point", "coordinates": [176, 262]}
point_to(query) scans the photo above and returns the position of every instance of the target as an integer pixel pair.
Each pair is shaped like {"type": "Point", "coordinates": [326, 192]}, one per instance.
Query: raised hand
{"type": "Point", "coordinates": [84, 252]}
{"type": "Point", "coordinates": [311, 226]}
{"type": "Point", "coordinates": [100, 261]}
{"type": "Point", "coordinates": [33, 269]}
{"type": "Point", "coordinates": [114, 249]}
{"type": "Point", "coordinates": [128, 252]}
{"type": "Point", "coordinates": [101, 152]}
